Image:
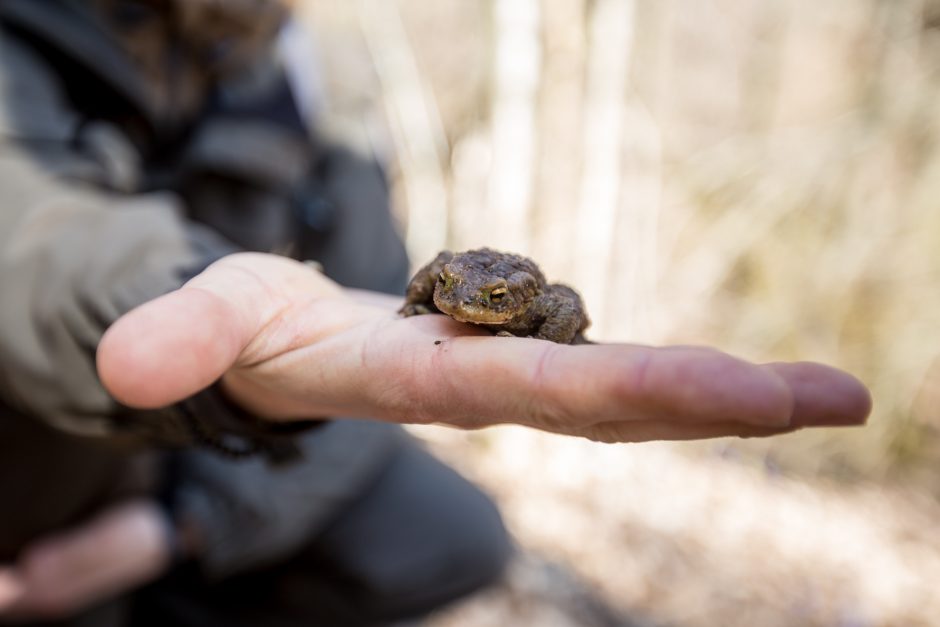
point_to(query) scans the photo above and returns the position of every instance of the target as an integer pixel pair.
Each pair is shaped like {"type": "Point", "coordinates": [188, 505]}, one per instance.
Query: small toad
{"type": "Point", "coordinates": [502, 292]}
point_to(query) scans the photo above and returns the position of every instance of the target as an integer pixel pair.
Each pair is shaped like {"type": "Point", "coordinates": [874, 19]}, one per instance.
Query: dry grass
{"type": "Point", "coordinates": [760, 176]}
{"type": "Point", "coordinates": [702, 539]}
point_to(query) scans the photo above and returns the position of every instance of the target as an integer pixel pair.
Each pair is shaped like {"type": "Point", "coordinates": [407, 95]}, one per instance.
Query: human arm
{"type": "Point", "coordinates": [82, 243]}
{"type": "Point", "coordinates": [75, 256]}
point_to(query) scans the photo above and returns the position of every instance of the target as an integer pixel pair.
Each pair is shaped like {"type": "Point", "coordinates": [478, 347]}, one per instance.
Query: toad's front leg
{"type": "Point", "coordinates": [419, 297]}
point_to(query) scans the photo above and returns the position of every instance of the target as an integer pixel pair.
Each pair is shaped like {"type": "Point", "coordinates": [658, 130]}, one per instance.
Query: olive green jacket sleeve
{"type": "Point", "coordinates": [73, 258]}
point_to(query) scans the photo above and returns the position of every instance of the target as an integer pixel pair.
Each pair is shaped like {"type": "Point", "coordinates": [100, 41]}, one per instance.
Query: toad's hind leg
{"type": "Point", "coordinates": [563, 314]}
{"type": "Point", "coordinates": [419, 297]}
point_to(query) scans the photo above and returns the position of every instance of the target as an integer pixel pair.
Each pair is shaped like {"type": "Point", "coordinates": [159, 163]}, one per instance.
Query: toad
{"type": "Point", "coordinates": [502, 292]}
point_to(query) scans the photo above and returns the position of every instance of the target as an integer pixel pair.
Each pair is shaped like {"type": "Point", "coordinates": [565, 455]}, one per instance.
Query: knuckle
{"type": "Point", "coordinates": [544, 407]}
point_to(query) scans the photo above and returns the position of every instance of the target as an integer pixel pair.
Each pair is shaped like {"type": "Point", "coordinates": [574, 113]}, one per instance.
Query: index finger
{"type": "Point", "coordinates": [553, 387]}
{"type": "Point", "coordinates": [427, 369]}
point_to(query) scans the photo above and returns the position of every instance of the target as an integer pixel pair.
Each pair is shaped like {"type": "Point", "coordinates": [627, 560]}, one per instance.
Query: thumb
{"type": "Point", "coordinates": [170, 348]}
{"type": "Point", "coordinates": [174, 346]}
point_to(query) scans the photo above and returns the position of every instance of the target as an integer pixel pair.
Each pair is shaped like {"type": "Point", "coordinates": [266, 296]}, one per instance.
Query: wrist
{"type": "Point", "coordinates": [223, 424]}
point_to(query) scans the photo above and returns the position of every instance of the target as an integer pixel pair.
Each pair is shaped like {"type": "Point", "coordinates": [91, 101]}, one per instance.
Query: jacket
{"type": "Point", "coordinates": [140, 140]}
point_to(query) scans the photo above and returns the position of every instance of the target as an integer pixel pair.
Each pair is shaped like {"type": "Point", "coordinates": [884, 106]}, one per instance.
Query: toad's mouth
{"type": "Point", "coordinates": [473, 313]}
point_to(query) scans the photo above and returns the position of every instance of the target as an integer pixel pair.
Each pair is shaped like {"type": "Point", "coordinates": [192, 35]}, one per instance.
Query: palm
{"type": "Point", "coordinates": [288, 343]}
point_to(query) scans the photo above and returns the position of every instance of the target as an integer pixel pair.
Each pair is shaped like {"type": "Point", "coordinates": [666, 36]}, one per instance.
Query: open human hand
{"type": "Point", "coordinates": [288, 343]}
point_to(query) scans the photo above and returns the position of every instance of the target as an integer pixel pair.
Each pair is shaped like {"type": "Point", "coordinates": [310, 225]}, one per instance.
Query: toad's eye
{"type": "Point", "coordinates": [498, 294]}
{"type": "Point", "coordinates": [448, 280]}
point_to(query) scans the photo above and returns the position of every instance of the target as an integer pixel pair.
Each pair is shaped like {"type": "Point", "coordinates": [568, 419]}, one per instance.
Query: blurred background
{"type": "Point", "coordinates": [762, 176]}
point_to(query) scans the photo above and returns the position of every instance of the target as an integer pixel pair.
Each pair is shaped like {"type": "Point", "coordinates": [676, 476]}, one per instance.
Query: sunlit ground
{"type": "Point", "coordinates": [701, 537]}
{"type": "Point", "coordinates": [759, 176]}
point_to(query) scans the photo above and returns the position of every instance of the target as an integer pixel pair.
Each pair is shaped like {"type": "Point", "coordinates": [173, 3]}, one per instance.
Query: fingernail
{"type": "Point", "coordinates": [825, 396]}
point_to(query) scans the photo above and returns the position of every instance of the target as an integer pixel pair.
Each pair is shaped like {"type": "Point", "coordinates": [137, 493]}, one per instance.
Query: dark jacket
{"type": "Point", "coordinates": [139, 141]}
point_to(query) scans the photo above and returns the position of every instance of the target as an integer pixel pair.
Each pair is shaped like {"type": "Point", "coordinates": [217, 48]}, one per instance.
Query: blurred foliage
{"type": "Point", "coordinates": [759, 176]}
{"type": "Point", "coordinates": [789, 149]}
